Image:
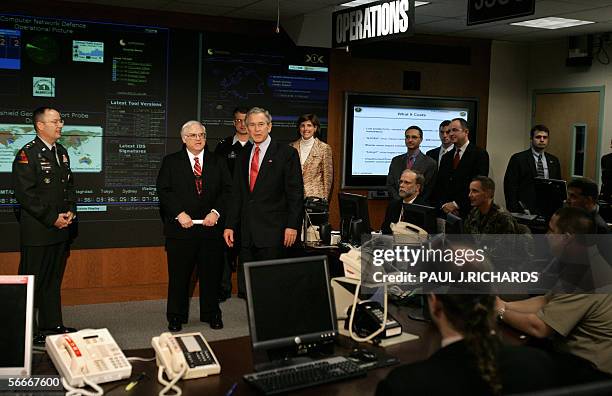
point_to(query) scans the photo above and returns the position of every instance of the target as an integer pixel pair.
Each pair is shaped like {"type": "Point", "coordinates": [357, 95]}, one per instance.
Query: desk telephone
{"type": "Point", "coordinates": [87, 357]}
{"type": "Point", "coordinates": [183, 356]}
{"type": "Point", "coordinates": [369, 317]}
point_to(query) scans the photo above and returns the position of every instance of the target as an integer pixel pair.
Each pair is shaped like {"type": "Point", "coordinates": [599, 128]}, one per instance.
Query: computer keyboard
{"type": "Point", "coordinates": [304, 375]}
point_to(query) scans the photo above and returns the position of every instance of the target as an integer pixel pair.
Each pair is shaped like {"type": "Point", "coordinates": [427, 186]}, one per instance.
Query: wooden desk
{"type": "Point", "coordinates": [236, 360]}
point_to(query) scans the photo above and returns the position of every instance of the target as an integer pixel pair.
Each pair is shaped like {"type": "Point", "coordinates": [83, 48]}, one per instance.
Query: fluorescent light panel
{"type": "Point", "coordinates": [551, 23]}
{"type": "Point", "coordinates": [356, 3]}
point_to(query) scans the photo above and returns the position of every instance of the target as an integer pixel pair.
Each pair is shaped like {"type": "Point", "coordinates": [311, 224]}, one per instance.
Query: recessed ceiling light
{"type": "Point", "coordinates": [356, 3]}
{"type": "Point", "coordinates": [551, 23]}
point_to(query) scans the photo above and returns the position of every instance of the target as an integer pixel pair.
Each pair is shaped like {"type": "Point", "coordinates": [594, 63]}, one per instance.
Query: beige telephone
{"type": "Point", "coordinates": [183, 356]}
{"type": "Point", "coordinates": [351, 261]}
{"type": "Point", "coordinates": [87, 357]}
{"type": "Point", "coordinates": [408, 233]}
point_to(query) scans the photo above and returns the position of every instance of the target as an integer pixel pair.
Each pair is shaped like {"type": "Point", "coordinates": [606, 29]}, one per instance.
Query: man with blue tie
{"type": "Point", "coordinates": [267, 196]}
{"type": "Point", "coordinates": [525, 166]}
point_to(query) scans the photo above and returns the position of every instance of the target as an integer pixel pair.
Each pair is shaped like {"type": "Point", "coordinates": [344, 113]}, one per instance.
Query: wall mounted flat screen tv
{"type": "Point", "coordinates": [374, 131]}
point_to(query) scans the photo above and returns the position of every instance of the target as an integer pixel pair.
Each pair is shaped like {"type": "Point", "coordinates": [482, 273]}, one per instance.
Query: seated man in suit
{"type": "Point", "coordinates": [486, 217]}
{"type": "Point", "coordinates": [447, 145]}
{"type": "Point", "coordinates": [577, 324]}
{"type": "Point", "coordinates": [193, 184]}
{"type": "Point", "coordinates": [582, 193]}
{"type": "Point", "coordinates": [523, 167]}
{"type": "Point", "coordinates": [410, 185]}
{"type": "Point", "coordinates": [472, 360]}
{"type": "Point", "coordinates": [267, 196]}
{"type": "Point", "coordinates": [457, 169]}
{"type": "Point", "coordinates": [414, 159]}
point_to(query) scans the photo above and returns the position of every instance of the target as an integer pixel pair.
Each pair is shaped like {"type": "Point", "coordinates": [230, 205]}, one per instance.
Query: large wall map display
{"type": "Point", "coordinates": [110, 83]}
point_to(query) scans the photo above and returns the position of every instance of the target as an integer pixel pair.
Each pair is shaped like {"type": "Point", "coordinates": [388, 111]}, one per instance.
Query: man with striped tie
{"type": "Point", "coordinates": [193, 186]}
{"type": "Point", "coordinates": [525, 166]}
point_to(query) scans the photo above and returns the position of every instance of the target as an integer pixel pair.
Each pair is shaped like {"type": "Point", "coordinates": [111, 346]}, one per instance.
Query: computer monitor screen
{"type": "Point", "coordinates": [550, 196]}
{"type": "Point", "coordinates": [353, 207]}
{"type": "Point", "coordinates": [16, 316]}
{"type": "Point", "coordinates": [290, 306]}
{"type": "Point", "coordinates": [422, 216]}
{"type": "Point", "coordinates": [454, 224]}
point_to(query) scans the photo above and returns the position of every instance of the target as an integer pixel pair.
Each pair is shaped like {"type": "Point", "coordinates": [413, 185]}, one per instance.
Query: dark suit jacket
{"type": "Point", "coordinates": [422, 164]}
{"type": "Point", "coordinates": [394, 210]}
{"type": "Point", "coordinates": [606, 177]}
{"type": "Point", "coordinates": [276, 202]}
{"type": "Point", "coordinates": [433, 154]}
{"type": "Point", "coordinates": [452, 371]}
{"type": "Point", "coordinates": [454, 184]}
{"type": "Point", "coordinates": [518, 180]}
{"type": "Point", "coordinates": [43, 189]}
{"type": "Point", "coordinates": [177, 193]}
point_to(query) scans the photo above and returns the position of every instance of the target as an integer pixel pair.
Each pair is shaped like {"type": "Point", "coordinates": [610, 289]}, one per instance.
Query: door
{"type": "Point", "coordinates": [573, 119]}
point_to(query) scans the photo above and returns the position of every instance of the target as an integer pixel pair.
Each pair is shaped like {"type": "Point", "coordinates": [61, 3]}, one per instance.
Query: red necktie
{"type": "Point", "coordinates": [254, 169]}
{"type": "Point", "coordinates": [456, 159]}
{"type": "Point", "coordinates": [197, 172]}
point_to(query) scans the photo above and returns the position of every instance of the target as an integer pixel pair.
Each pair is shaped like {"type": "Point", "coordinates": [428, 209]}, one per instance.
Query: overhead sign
{"type": "Point", "coordinates": [483, 11]}
{"type": "Point", "coordinates": [379, 20]}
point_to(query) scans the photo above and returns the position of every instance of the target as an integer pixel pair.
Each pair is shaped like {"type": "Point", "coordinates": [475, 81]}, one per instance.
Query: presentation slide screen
{"type": "Point", "coordinates": [109, 82]}
{"type": "Point", "coordinates": [286, 80]}
{"type": "Point", "coordinates": [375, 126]}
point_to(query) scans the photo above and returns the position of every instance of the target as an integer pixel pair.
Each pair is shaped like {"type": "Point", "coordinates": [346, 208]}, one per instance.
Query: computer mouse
{"type": "Point", "coordinates": [363, 355]}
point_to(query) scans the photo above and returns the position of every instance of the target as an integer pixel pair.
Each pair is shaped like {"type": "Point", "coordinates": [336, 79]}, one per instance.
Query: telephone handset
{"type": "Point", "coordinates": [183, 356]}
{"type": "Point", "coordinates": [87, 357]}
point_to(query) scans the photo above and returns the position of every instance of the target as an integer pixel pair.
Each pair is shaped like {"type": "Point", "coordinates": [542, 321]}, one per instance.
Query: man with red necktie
{"type": "Point", "coordinates": [267, 196]}
{"type": "Point", "coordinates": [457, 169]}
{"type": "Point", "coordinates": [193, 184]}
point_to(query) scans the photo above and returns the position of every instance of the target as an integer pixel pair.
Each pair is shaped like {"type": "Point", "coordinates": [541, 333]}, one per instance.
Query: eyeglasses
{"type": "Point", "coordinates": [259, 124]}
{"type": "Point", "coordinates": [196, 136]}
{"type": "Point", "coordinates": [55, 122]}
{"type": "Point", "coordinates": [239, 120]}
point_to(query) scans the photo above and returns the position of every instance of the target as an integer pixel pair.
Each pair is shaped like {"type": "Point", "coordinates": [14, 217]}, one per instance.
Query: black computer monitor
{"type": "Point", "coordinates": [550, 196]}
{"type": "Point", "coordinates": [454, 224]}
{"type": "Point", "coordinates": [16, 318]}
{"type": "Point", "coordinates": [422, 216]}
{"type": "Point", "coordinates": [353, 209]}
{"type": "Point", "coordinates": [290, 308]}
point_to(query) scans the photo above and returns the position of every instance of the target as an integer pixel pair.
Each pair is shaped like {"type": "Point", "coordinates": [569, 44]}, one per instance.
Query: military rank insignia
{"type": "Point", "coordinates": [22, 158]}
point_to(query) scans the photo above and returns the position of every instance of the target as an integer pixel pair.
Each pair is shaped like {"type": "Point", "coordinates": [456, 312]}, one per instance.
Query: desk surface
{"type": "Point", "coordinates": [235, 358]}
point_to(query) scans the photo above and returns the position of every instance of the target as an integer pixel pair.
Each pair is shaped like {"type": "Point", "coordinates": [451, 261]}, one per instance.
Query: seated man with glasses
{"type": "Point", "coordinates": [193, 184]}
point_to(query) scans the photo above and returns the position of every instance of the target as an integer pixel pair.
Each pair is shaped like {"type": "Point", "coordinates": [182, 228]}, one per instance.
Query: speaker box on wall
{"type": "Point", "coordinates": [411, 81]}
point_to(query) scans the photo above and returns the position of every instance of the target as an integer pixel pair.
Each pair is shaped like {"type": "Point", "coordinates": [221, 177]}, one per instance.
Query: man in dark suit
{"type": "Point", "coordinates": [446, 145]}
{"type": "Point", "coordinates": [267, 196]}
{"type": "Point", "coordinates": [409, 191]}
{"type": "Point", "coordinates": [583, 193]}
{"type": "Point", "coordinates": [229, 148]}
{"type": "Point", "coordinates": [524, 167]}
{"type": "Point", "coordinates": [606, 176]}
{"type": "Point", "coordinates": [457, 169]}
{"type": "Point", "coordinates": [414, 159]}
{"type": "Point", "coordinates": [44, 189]}
{"type": "Point", "coordinates": [193, 186]}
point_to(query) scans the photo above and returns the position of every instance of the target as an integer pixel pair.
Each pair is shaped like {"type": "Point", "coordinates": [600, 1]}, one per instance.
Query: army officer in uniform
{"type": "Point", "coordinates": [44, 189]}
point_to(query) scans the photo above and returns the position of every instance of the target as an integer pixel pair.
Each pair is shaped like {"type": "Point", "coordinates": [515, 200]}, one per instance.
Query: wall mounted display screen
{"type": "Point", "coordinates": [375, 126]}
{"type": "Point", "coordinates": [274, 74]}
{"type": "Point", "coordinates": [110, 83]}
